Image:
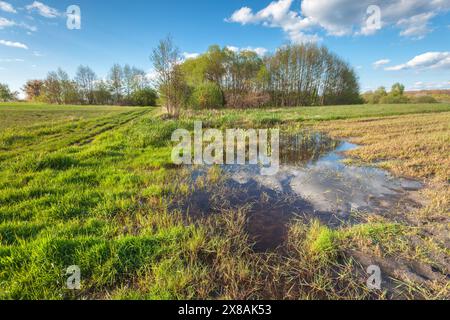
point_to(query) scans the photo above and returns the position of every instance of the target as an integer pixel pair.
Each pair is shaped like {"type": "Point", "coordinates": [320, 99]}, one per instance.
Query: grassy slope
{"type": "Point", "coordinates": [85, 186]}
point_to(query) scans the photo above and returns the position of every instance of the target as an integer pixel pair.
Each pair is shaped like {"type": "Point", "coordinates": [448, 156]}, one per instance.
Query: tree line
{"type": "Point", "coordinates": [295, 75]}
{"type": "Point", "coordinates": [395, 96]}
{"type": "Point", "coordinates": [124, 85]}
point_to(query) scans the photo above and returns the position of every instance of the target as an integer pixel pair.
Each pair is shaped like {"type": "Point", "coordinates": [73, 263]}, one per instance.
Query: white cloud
{"type": "Point", "coordinates": [244, 16]}
{"type": "Point", "coordinates": [151, 76]}
{"type": "Point", "coordinates": [429, 60]}
{"type": "Point", "coordinates": [5, 23]}
{"type": "Point", "coordinates": [277, 14]}
{"type": "Point", "coordinates": [258, 50]}
{"type": "Point", "coordinates": [343, 17]}
{"type": "Point", "coordinates": [189, 55]}
{"type": "Point", "coordinates": [378, 64]}
{"type": "Point", "coordinates": [43, 9]}
{"type": "Point", "coordinates": [416, 26]}
{"type": "Point", "coordinates": [11, 44]}
{"type": "Point", "coordinates": [233, 48]}
{"type": "Point", "coordinates": [7, 7]}
{"type": "Point", "coordinates": [11, 60]}
{"type": "Point", "coordinates": [431, 85]}
{"type": "Point", "coordinates": [28, 27]}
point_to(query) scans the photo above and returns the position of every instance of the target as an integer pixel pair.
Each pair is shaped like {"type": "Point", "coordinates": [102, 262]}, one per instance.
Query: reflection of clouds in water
{"type": "Point", "coordinates": [328, 184]}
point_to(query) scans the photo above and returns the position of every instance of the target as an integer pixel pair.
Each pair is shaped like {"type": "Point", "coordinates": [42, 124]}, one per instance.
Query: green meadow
{"type": "Point", "coordinates": [94, 186]}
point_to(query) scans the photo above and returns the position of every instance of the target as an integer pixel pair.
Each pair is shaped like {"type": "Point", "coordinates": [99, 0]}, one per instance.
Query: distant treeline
{"type": "Point", "coordinates": [295, 75]}
{"type": "Point", "coordinates": [124, 86]}
{"type": "Point", "coordinates": [397, 95]}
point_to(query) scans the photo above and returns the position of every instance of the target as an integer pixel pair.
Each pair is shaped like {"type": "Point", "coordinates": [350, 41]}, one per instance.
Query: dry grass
{"type": "Point", "coordinates": [415, 146]}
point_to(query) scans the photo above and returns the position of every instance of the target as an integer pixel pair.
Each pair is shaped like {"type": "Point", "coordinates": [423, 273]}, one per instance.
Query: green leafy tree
{"type": "Point", "coordinates": [144, 97]}
{"type": "Point", "coordinates": [398, 89]}
{"type": "Point", "coordinates": [208, 95]}
{"type": "Point", "coordinates": [102, 93]}
{"type": "Point", "coordinates": [6, 95]}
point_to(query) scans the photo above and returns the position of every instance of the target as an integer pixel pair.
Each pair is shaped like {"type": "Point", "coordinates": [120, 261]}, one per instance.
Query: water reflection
{"type": "Point", "coordinates": [312, 183]}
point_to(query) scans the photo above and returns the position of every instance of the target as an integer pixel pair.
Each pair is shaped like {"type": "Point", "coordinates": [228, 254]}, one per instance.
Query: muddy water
{"type": "Point", "coordinates": [312, 183]}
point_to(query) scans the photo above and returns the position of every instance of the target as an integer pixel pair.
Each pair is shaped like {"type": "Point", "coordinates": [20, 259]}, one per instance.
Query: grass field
{"type": "Point", "coordinates": [93, 186]}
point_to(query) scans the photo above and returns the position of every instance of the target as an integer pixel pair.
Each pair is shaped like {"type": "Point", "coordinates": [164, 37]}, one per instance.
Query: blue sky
{"type": "Point", "coordinates": [411, 43]}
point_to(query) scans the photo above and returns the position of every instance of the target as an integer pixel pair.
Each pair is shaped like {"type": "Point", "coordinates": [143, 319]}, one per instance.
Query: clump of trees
{"type": "Point", "coordinates": [124, 86]}
{"type": "Point", "coordinates": [6, 94]}
{"type": "Point", "coordinates": [395, 96]}
{"type": "Point", "coordinates": [296, 75]}
{"type": "Point", "coordinates": [381, 96]}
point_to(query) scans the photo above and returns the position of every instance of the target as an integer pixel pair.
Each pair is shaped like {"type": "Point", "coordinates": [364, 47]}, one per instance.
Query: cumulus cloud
{"type": "Point", "coordinates": [429, 60]}
{"type": "Point", "coordinates": [7, 7]}
{"type": "Point", "coordinates": [13, 44]}
{"type": "Point", "coordinates": [43, 10]}
{"type": "Point", "coordinates": [343, 17]}
{"type": "Point", "coordinates": [277, 14]}
{"type": "Point", "coordinates": [378, 64]}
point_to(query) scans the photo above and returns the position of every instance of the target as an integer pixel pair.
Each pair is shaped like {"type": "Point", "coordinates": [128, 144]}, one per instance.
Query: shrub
{"type": "Point", "coordinates": [144, 97]}
{"type": "Point", "coordinates": [394, 99]}
{"type": "Point", "coordinates": [207, 95]}
{"type": "Point", "coordinates": [425, 99]}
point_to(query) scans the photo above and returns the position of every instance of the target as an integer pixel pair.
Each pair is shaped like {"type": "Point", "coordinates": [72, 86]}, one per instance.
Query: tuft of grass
{"type": "Point", "coordinates": [321, 241]}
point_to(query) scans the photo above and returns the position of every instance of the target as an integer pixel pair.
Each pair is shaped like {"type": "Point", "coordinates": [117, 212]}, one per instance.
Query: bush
{"type": "Point", "coordinates": [144, 97]}
{"type": "Point", "coordinates": [394, 99]}
{"type": "Point", "coordinates": [207, 95]}
{"type": "Point", "coordinates": [425, 99]}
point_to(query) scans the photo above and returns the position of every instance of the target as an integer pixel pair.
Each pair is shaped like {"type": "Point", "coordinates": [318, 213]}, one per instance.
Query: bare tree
{"type": "Point", "coordinates": [116, 82]}
{"type": "Point", "coordinates": [169, 78]}
{"type": "Point", "coordinates": [85, 79]}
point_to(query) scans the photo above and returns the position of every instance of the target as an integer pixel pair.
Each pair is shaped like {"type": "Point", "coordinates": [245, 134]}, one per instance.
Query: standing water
{"type": "Point", "coordinates": [312, 183]}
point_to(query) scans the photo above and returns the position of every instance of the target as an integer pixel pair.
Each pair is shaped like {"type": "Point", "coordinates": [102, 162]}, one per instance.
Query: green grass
{"type": "Point", "coordinates": [91, 186]}
{"type": "Point", "coordinates": [13, 115]}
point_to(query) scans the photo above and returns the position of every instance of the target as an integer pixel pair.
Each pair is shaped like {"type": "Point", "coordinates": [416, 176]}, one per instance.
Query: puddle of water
{"type": "Point", "coordinates": [312, 183]}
